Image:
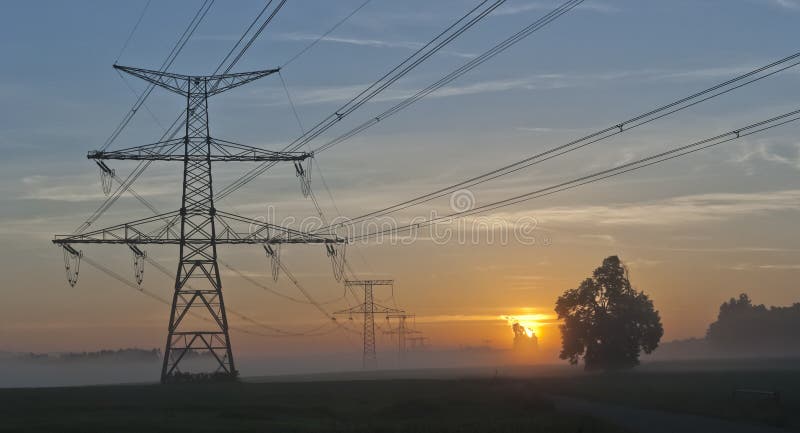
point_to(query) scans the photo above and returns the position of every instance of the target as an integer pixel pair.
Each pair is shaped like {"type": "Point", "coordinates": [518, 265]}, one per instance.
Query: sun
{"type": "Point", "coordinates": [531, 322]}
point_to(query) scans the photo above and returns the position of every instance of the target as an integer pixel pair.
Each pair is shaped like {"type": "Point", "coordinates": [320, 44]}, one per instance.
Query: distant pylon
{"type": "Point", "coordinates": [416, 343]}
{"type": "Point", "coordinates": [402, 331]}
{"type": "Point", "coordinates": [368, 310]}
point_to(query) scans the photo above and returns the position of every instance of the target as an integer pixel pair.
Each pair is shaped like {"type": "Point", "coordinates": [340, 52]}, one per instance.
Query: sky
{"type": "Point", "coordinates": [693, 231]}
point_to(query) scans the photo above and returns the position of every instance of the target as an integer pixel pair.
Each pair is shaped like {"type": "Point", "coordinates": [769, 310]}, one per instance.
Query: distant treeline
{"type": "Point", "coordinates": [743, 329]}
{"type": "Point", "coordinates": [124, 355]}
{"type": "Point", "coordinates": [742, 325]}
{"type": "Point", "coordinates": [120, 355]}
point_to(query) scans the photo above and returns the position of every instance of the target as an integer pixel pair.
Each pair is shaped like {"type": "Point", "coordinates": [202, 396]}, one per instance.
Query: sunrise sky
{"type": "Point", "coordinates": [694, 231]}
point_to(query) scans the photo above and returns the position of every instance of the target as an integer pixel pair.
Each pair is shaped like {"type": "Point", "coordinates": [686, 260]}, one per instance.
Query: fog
{"type": "Point", "coordinates": [46, 370]}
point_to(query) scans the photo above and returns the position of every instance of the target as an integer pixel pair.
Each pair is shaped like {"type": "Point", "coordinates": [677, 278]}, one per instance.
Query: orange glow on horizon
{"type": "Point", "coordinates": [531, 322]}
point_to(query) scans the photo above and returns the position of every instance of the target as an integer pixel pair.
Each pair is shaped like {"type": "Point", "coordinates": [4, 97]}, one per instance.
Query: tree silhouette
{"type": "Point", "coordinates": [742, 326]}
{"type": "Point", "coordinates": [606, 321]}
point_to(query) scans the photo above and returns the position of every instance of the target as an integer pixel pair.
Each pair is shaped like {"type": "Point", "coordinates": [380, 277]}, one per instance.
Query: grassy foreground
{"type": "Point", "coordinates": [356, 406]}
{"type": "Point", "coordinates": [706, 392]}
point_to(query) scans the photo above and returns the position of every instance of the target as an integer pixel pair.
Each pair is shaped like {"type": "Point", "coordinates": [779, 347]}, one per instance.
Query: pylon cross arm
{"type": "Point", "coordinates": [221, 150]}
{"type": "Point", "coordinates": [368, 282]}
{"type": "Point", "coordinates": [164, 229]}
{"type": "Point", "coordinates": [259, 232]}
{"type": "Point", "coordinates": [181, 84]}
{"type": "Point", "coordinates": [359, 309]}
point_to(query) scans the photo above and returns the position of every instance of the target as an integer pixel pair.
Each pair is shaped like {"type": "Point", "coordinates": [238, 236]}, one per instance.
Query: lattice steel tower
{"type": "Point", "coordinates": [197, 319]}
{"type": "Point", "coordinates": [402, 331]}
{"type": "Point", "coordinates": [368, 310]}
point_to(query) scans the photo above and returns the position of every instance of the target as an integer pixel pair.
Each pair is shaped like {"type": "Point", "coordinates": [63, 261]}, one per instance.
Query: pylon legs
{"type": "Point", "coordinates": [193, 354]}
{"type": "Point", "coordinates": [370, 359]}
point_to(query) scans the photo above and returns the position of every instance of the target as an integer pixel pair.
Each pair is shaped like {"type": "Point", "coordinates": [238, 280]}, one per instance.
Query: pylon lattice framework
{"type": "Point", "coordinates": [402, 331]}
{"type": "Point", "coordinates": [368, 310]}
{"type": "Point", "coordinates": [197, 227]}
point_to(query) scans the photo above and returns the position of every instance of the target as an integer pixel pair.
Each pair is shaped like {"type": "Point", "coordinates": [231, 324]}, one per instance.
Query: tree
{"type": "Point", "coordinates": [606, 321]}
{"type": "Point", "coordinates": [748, 329]}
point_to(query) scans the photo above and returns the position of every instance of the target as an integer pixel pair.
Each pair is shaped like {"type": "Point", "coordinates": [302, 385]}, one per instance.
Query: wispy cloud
{"type": "Point", "coordinates": [524, 277]}
{"type": "Point", "coordinates": [674, 211]}
{"type": "Point", "coordinates": [247, 274]}
{"type": "Point", "coordinates": [780, 267]}
{"type": "Point", "coordinates": [79, 189]}
{"type": "Point", "coordinates": [641, 263]}
{"type": "Point", "coordinates": [542, 318]}
{"type": "Point", "coordinates": [514, 9]}
{"type": "Point", "coordinates": [488, 86]}
{"type": "Point", "coordinates": [787, 4]}
{"type": "Point", "coordinates": [545, 81]}
{"type": "Point", "coordinates": [330, 94]}
{"type": "Point", "coordinates": [533, 129]}
{"type": "Point", "coordinates": [705, 73]}
{"type": "Point", "coordinates": [600, 237]}
{"type": "Point", "coordinates": [365, 42]}
{"type": "Point", "coordinates": [216, 38]}
{"type": "Point", "coordinates": [766, 267]}
{"type": "Point", "coordinates": [729, 249]}
{"type": "Point", "coordinates": [777, 151]}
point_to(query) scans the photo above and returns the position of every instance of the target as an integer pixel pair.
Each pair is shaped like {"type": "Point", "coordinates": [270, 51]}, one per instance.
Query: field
{"type": "Point", "coordinates": [515, 401]}
{"type": "Point", "coordinates": [700, 388]}
{"type": "Point", "coordinates": [355, 406]}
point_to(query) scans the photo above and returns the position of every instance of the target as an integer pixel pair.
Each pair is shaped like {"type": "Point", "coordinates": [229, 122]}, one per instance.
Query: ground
{"type": "Point", "coordinates": [704, 388]}
{"type": "Point", "coordinates": [695, 396]}
{"type": "Point", "coordinates": [355, 406]}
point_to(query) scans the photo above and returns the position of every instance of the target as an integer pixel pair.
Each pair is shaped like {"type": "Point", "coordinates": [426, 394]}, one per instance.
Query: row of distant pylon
{"type": "Point", "coordinates": [406, 336]}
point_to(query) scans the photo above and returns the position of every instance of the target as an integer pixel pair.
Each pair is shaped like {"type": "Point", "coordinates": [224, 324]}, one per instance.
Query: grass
{"type": "Point", "coordinates": [408, 405]}
{"type": "Point", "coordinates": [356, 406]}
{"type": "Point", "coordinates": [708, 393]}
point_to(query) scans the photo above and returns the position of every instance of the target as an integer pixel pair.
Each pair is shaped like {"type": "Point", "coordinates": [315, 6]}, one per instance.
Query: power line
{"type": "Point", "coordinates": [278, 331]}
{"type": "Point", "coordinates": [281, 332]}
{"type": "Point", "coordinates": [198, 243]}
{"type": "Point", "coordinates": [256, 34]}
{"type": "Point", "coordinates": [220, 195]}
{"type": "Point", "coordinates": [618, 128]}
{"type": "Point", "coordinates": [538, 24]}
{"type": "Point", "coordinates": [177, 48]}
{"type": "Point", "coordinates": [244, 34]}
{"type": "Point", "coordinates": [291, 104]}
{"type": "Point", "coordinates": [311, 193]}
{"type": "Point", "coordinates": [316, 304]}
{"type": "Point", "coordinates": [173, 54]}
{"type": "Point", "coordinates": [732, 135]}
{"type": "Point", "coordinates": [275, 292]}
{"type": "Point", "coordinates": [464, 23]}
{"type": "Point", "coordinates": [126, 184]}
{"type": "Point", "coordinates": [309, 299]}
{"type": "Point", "coordinates": [197, 280]}
{"type": "Point", "coordinates": [470, 65]}
{"type": "Point", "coordinates": [142, 166]}
{"type": "Point", "coordinates": [313, 196]}
{"type": "Point", "coordinates": [324, 35]}
{"type": "Point", "coordinates": [304, 132]}
{"type": "Point", "coordinates": [146, 107]}
{"type": "Point", "coordinates": [133, 30]}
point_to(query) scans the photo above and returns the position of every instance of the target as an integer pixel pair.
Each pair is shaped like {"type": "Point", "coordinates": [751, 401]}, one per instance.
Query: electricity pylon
{"type": "Point", "coordinates": [402, 331]}
{"type": "Point", "coordinates": [198, 321]}
{"type": "Point", "coordinates": [368, 310]}
{"type": "Point", "coordinates": [417, 342]}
